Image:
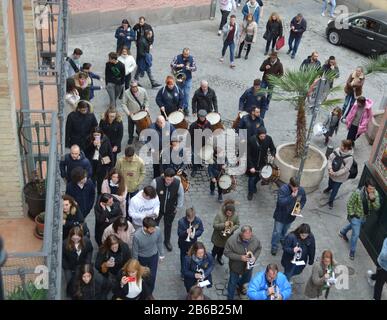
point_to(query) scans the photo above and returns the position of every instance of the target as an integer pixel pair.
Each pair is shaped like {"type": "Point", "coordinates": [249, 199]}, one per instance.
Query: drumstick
{"type": "Point", "coordinates": [166, 117]}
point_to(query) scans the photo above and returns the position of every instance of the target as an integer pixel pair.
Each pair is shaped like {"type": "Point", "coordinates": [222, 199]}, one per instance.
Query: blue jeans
{"type": "Point", "coordinates": [186, 88]}
{"type": "Point", "coordinates": [355, 224]}
{"type": "Point", "coordinates": [265, 85]}
{"type": "Point", "coordinates": [333, 6]}
{"type": "Point", "coordinates": [152, 263]}
{"type": "Point", "coordinates": [252, 183]}
{"type": "Point", "coordinates": [289, 273]}
{"type": "Point", "coordinates": [279, 232]}
{"type": "Point", "coordinates": [348, 103]}
{"type": "Point", "coordinates": [334, 186]}
{"type": "Point", "coordinates": [232, 49]}
{"type": "Point", "coordinates": [237, 280]}
{"type": "Point", "coordinates": [294, 47]}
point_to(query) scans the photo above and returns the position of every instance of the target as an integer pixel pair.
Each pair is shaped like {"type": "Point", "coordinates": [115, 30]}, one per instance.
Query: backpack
{"type": "Point", "coordinates": [337, 162]}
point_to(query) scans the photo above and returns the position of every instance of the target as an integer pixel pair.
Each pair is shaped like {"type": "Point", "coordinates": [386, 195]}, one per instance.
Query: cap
{"type": "Point", "coordinates": [202, 113]}
{"type": "Point", "coordinates": [261, 130]}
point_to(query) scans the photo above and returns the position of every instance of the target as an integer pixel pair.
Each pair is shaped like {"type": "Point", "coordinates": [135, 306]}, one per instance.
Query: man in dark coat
{"type": "Point", "coordinates": [297, 29]}
{"type": "Point", "coordinates": [140, 28]}
{"type": "Point", "coordinates": [288, 195]}
{"type": "Point", "coordinates": [251, 122]}
{"type": "Point", "coordinates": [311, 62]}
{"type": "Point", "coordinates": [170, 98]}
{"type": "Point", "coordinates": [253, 97]}
{"type": "Point", "coordinates": [204, 99]}
{"type": "Point", "coordinates": [259, 146]}
{"type": "Point", "coordinates": [82, 189]}
{"type": "Point", "coordinates": [79, 125]}
{"type": "Point", "coordinates": [76, 158]}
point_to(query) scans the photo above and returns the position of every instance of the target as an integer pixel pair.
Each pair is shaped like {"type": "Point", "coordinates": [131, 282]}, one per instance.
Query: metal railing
{"type": "Point", "coordinates": [44, 146]}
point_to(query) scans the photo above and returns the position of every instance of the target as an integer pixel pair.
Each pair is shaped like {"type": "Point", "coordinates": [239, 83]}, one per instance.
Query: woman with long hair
{"type": "Point", "coordinates": [121, 228]}
{"type": "Point", "coordinates": [72, 215]}
{"type": "Point", "coordinates": [87, 285]}
{"type": "Point", "coordinates": [77, 250]}
{"type": "Point", "coordinates": [248, 35]}
{"type": "Point", "coordinates": [112, 126]}
{"type": "Point", "coordinates": [274, 31]}
{"type": "Point", "coordinates": [198, 266]}
{"type": "Point", "coordinates": [131, 282]}
{"type": "Point", "coordinates": [127, 59]}
{"type": "Point", "coordinates": [100, 154]}
{"type": "Point", "coordinates": [114, 184]}
{"type": "Point", "coordinates": [322, 276]}
{"type": "Point", "coordinates": [72, 95]}
{"type": "Point", "coordinates": [299, 246]}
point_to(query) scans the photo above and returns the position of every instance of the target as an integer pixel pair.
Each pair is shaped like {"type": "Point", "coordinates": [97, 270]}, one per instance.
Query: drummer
{"type": "Point", "coordinates": [200, 124]}
{"type": "Point", "coordinates": [176, 160]}
{"type": "Point", "coordinates": [251, 122]}
{"type": "Point", "coordinates": [253, 97]}
{"type": "Point", "coordinates": [135, 99]}
{"type": "Point", "coordinates": [204, 98]}
{"type": "Point", "coordinates": [215, 170]}
{"type": "Point", "coordinates": [170, 98]}
{"type": "Point", "coordinates": [259, 147]}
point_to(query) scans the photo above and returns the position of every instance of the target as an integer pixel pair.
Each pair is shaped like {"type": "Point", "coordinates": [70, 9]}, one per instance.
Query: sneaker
{"type": "Point", "coordinates": [232, 65]}
{"type": "Point", "coordinates": [343, 236]}
{"type": "Point", "coordinates": [288, 51]}
{"type": "Point", "coordinates": [156, 85]}
{"type": "Point", "coordinates": [332, 16]}
{"type": "Point", "coordinates": [238, 4]}
{"type": "Point", "coordinates": [219, 32]}
{"type": "Point", "coordinates": [293, 56]}
{"type": "Point", "coordinates": [221, 59]}
{"type": "Point", "coordinates": [273, 252]}
{"type": "Point", "coordinates": [168, 246]}
{"type": "Point", "coordinates": [343, 120]}
{"type": "Point", "coordinates": [323, 14]}
{"type": "Point", "coordinates": [327, 190]}
{"type": "Point", "coordinates": [330, 205]}
{"type": "Point", "coordinates": [220, 261]}
{"type": "Point", "coordinates": [212, 192]}
{"type": "Point", "coordinates": [130, 141]}
{"type": "Point", "coordinates": [369, 279]}
{"type": "Point", "coordinates": [220, 198]}
{"type": "Point", "coordinates": [246, 57]}
{"type": "Point", "coordinates": [250, 196]}
{"type": "Point", "coordinates": [352, 256]}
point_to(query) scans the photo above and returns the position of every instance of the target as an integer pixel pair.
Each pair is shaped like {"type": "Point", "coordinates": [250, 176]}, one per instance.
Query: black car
{"type": "Point", "coordinates": [365, 32]}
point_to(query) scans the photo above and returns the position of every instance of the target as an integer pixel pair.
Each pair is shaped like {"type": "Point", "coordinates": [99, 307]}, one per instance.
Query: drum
{"type": "Point", "coordinates": [206, 153]}
{"type": "Point", "coordinates": [184, 181]}
{"type": "Point", "coordinates": [142, 120]}
{"type": "Point", "coordinates": [241, 114]}
{"type": "Point", "coordinates": [227, 183]}
{"type": "Point", "coordinates": [270, 173]}
{"type": "Point", "coordinates": [215, 121]}
{"type": "Point", "coordinates": [177, 119]}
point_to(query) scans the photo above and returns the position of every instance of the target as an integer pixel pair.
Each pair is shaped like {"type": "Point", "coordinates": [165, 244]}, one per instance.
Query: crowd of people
{"type": "Point", "coordinates": [127, 215]}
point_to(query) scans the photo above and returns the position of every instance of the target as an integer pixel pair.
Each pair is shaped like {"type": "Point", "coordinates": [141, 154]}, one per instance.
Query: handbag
{"type": "Point", "coordinates": [249, 38]}
{"type": "Point", "coordinates": [266, 35]}
{"type": "Point", "coordinates": [280, 43]}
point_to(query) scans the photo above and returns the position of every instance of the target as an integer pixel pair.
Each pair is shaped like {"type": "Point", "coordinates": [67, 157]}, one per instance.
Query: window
{"type": "Point", "coordinates": [367, 24]}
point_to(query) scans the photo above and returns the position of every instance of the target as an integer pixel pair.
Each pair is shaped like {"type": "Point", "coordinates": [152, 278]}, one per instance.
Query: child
{"type": "Point", "coordinates": [332, 123]}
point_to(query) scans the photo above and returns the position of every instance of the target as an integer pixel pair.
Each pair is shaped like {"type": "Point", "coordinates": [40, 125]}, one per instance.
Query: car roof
{"type": "Point", "coordinates": [376, 14]}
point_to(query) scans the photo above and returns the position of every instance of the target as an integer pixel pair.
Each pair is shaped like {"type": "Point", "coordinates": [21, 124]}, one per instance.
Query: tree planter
{"type": "Point", "coordinates": [39, 229]}
{"type": "Point", "coordinates": [373, 126]}
{"type": "Point", "coordinates": [314, 166]}
{"type": "Point", "coordinates": [35, 196]}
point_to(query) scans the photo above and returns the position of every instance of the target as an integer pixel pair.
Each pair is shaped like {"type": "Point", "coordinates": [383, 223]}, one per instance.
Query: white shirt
{"type": "Point", "coordinates": [227, 5]}
{"type": "Point", "coordinates": [139, 208]}
{"type": "Point", "coordinates": [129, 62]}
{"type": "Point", "coordinates": [134, 289]}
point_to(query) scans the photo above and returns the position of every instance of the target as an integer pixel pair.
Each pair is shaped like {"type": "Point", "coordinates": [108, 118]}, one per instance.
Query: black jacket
{"type": "Point", "coordinates": [143, 47]}
{"type": "Point", "coordinates": [114, 132]}
{"type": "Point", "coordinates": [140, 32]}
{"type": "Point", "coordinates": [72, 220]}
{"type": "Point", "coordinates": [250, 125]}
{"type": "Point", "coordinates": [84, 197]}
{"type": "Point", "coordinates": [70, 258]}
{"type": "Point", "coordinates": [167, 195]}
{"type": "Point", "coordinates": [120, 258]}
{"type": "Point", "coordinates": [78, 128]}
{"type": "Point", "coordinates": [258, 150]}
{"type": "Point", "coordinates": [285, 204]}
{"type": "Point", "coordinates": [206, 102]}
{"type": "Point", "coordinates": [115, 73]}
{"type": "Point", "coordinates": [276, 69]}
{"type": "Point", "coordinates": [274, 29]}
{"type": "Point", "coordinates": [104, 218]}
{"type": "Point", "coordinates": [67, 164]}
{"type": "Point", "coordinates": [105, 150]}
{"type": "Point", "coordinates": [121, 292]}
{"type": "Point", "coordinates": [307, 63]}
{"type": "Point", "coordinates": [299, 28]}
{"type": "Point", "coordinates": [91, 291]}
{"type": "Point", "coordinates": [196, 126]}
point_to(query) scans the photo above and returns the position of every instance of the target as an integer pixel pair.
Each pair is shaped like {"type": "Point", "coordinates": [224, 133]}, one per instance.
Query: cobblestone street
{"type": "Point", "coordinates": [201, 37]}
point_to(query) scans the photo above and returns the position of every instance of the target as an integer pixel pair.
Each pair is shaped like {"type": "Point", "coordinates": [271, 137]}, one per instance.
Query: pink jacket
{"type": "Point", "coordinates": [365, 118]}
{"type": "Point", "coordinates": [122, 199]}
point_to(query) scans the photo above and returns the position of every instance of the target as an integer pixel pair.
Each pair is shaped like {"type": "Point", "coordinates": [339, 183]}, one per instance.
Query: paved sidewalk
{"type": "Point", "coordinates": [280, 121]}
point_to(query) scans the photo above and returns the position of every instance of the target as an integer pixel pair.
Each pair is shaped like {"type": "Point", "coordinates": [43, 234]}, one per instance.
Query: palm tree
{"type": "Point", "coordinates": [378, 64]}
{"type": "Point", "coordinates": [294, 86]}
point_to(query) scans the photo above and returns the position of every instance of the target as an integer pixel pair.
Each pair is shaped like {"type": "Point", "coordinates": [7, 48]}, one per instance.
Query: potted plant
{"type": "Point", "coordinates": [35, 195]}
{"type": "Point", "coordinates": [39, 228]}
{"type": "Point", "coordinates": [377, 65]}
{"type": "Point", "coordinates": [28, 292]}
{"type": "Point", "coordinates": [294, 86]}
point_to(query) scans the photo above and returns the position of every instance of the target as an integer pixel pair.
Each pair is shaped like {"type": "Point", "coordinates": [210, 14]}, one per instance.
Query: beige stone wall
{"type": "Point", "coordinates": [30, 39]}
{"type": "Point", "coordinates": [10, 171]}
{"type": "Point", "coordinates": [362, 5]}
